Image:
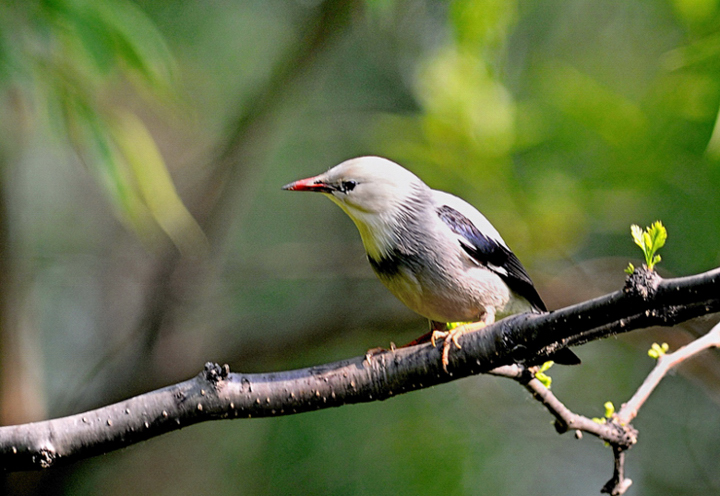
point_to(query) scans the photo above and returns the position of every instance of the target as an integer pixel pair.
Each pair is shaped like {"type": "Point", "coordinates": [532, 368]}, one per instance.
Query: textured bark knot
{"type": "Point", "coordinates": [45, 458]}
{"type": "Point", "coordinates": [642, 282]}
{"type": "Point", "coordinates": [214, 373]}
{"type": "Point", "coordinates": [627, 435]}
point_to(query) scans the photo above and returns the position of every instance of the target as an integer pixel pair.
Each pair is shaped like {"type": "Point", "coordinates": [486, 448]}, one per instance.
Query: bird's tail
{"type": "Point", "coordinates": [565, 356]}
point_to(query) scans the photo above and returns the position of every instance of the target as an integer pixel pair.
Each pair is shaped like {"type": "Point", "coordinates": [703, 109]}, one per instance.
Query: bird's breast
{"type": "Point", "coordinates": [459, 294]}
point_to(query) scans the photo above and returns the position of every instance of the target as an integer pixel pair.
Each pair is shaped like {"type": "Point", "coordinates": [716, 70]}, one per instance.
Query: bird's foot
{"type": "Point", "coordinates": [451, 338]}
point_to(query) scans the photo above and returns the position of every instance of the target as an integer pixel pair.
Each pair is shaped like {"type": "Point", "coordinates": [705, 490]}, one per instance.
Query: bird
{"type": "Point", "coordinates": [434, 251]}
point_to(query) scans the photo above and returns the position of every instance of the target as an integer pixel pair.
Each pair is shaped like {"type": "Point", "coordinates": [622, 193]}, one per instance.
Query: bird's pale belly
{"type": "Point", "coordinates": [444, 300]}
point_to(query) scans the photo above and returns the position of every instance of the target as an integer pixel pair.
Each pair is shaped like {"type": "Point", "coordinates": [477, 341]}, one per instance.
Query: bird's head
{"type": "Point", "coordinates": [364, 185]}
{"type": "Point", "coordinates": [372, 190]}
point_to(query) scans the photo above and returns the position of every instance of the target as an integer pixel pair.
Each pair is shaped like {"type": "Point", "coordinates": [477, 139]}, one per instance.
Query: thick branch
{"type": "Point", "coordinates": [216, 393]}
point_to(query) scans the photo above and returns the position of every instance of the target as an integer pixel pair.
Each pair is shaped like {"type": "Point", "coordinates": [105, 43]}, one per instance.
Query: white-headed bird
{"type": "Point", "coordinates": [434, 251]}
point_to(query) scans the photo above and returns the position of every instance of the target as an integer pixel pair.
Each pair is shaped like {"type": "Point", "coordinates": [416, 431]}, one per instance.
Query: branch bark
{"type": "Point", "coordinates": [217, 394]}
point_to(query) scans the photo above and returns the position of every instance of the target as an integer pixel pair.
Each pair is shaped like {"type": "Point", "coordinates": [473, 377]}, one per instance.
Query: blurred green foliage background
{"type": "Point", "coordinates": [143, 231]}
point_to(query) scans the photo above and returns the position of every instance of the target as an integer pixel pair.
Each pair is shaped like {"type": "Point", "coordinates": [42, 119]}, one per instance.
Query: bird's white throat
{"type": "Point", "coordinates": [375, 229]}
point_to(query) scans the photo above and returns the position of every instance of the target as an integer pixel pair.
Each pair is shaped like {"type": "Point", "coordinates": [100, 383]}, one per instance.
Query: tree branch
{"type": "Point", "coordinates": [617, 431]}
{"type": "Point", "coordinates": [216, 393]}
{"type": "Point", "coordinates": [666, 363]}
{"type": "Point", "coordinates": [565, 419]}
{"type": "Point", "coordinates": [621, 437]}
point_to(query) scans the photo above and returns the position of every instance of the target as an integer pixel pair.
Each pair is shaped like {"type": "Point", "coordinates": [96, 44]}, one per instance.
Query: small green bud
{"type": "Point", "coordinates": [541, 376]}
{"type": "Point", "coordinates": [545, 366]}
{"type": "Point", "coordinates": [658, 350]}
{"type": "Point", "coordinates": [544, 378]}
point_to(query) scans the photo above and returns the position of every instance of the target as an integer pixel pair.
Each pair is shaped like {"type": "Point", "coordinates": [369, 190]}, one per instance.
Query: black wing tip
{"type": "Point", "coordinates": [565, 356]}
{"type": "Point", "coordinates": [530, 293]}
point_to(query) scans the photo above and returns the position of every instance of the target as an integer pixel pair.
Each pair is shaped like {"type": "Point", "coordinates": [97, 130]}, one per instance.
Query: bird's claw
{"type": "Point", "coordinates": [448, 338]}
{"type": "Point", "coordinates": [452, 338]}
{"type": "Point", "coordinates": [438, 335]}
{"type": "Point", "coordinates": [454, 335]}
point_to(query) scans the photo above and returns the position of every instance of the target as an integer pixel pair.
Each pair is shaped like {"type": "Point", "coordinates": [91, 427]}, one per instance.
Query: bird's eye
{"type": "Point", "coordinates": [346, 186]}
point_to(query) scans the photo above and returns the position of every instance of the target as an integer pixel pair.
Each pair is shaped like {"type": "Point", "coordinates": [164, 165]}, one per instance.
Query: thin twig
{"type": "Point", "coordinates": [565, 419]}
{"type": "Point", "coordinates": [666, 363]}
{"type": "Point", "coordinates": [617, 432]}
{"type": "Point", "coordinates": [618, 484]}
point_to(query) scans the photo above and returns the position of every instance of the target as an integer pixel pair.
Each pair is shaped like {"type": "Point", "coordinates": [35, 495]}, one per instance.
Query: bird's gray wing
{"type": "Point", "coordinates": [493, 254]}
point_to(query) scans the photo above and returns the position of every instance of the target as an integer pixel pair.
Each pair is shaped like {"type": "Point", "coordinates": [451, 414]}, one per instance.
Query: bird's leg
{"type": "Point", "coordinates": [451, 337]}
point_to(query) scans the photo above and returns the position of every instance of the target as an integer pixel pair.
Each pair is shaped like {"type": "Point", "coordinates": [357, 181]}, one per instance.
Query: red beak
{"type": "Point", "coordinates": [309, 184]}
